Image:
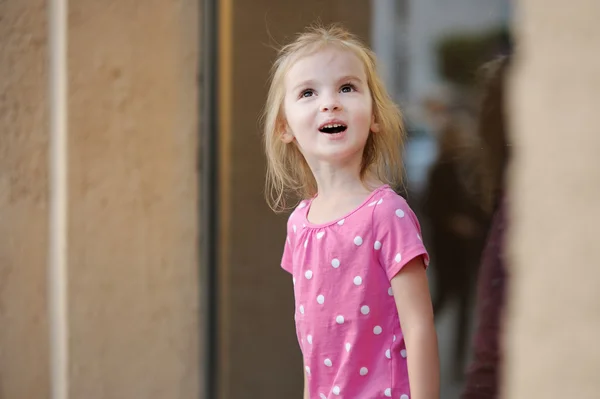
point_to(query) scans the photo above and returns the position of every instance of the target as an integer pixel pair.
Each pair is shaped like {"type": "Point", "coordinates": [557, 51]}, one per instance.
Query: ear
{"type": "Point", "coordinates": [284, 131]}
{"type": "Point", "coordinates": [374, 125]}
{"type": "Point", "coordinates": [287, 136]}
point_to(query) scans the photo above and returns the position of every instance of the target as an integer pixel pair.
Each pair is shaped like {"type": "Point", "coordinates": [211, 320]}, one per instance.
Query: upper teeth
{"type": "Point", "coordinates": [332, 125]}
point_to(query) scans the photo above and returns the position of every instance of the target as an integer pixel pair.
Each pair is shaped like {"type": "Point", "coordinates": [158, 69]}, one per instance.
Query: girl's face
{"type": "Point", "coordinates": [328, 106]}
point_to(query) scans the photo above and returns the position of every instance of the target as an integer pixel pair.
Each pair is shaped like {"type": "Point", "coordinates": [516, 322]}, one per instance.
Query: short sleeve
{"type": "Point", "coordinates": [397, 234]}
{"type": "Point", "coordinates": [287, 258]}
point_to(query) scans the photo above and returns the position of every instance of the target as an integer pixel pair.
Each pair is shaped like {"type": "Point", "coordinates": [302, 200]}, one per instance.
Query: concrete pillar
{"type": "Point", "coordinates": [554, 309]}
{"type": "Point", "coordinates": [24, 359]}
{"type": "Point", "coordinates": [133, 301]}
{"type": "Point", "coordinates": [259, 354]}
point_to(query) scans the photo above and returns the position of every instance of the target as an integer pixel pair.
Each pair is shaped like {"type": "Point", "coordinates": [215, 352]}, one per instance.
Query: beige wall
{"type": "Point", "coordinates": [23, 200]}
{"type": "Point", "coordinates": [133, 220]}
{"type": "Point", "coordinates": [259, 352]}
{"type": "Point", "coordinates": [554, 328]}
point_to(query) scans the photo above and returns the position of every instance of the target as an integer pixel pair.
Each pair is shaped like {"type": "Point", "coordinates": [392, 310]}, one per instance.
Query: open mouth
{"type": "Point", "coordinates": [333, 128]}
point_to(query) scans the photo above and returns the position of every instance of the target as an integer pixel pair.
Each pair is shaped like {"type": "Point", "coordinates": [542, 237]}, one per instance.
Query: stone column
{"type": "Point", "coordinates": [24, 342]}
{"type": "Point", "coordinates": [133, 300]}
{"type": "Point", "coordinates": [554, 309]}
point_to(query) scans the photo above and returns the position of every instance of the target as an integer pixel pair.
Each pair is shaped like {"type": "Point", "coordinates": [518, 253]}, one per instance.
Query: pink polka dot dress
{"type": "Point", "coordinates": [346, 318]}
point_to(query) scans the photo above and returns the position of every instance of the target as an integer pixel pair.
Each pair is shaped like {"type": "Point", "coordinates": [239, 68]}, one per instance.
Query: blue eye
{"type": "Point", "coordinates": [347, 88]}
{"type": "Point", "coordinates": [306, 93]}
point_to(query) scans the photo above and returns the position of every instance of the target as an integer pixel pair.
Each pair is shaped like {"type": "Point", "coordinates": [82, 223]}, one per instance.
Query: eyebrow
{"type": "Point", "coordinates": [310, 82]}
{"type": "Point", "coordinates": [350, 77]}
{"type": "Point", "coordinates": [303, 84]}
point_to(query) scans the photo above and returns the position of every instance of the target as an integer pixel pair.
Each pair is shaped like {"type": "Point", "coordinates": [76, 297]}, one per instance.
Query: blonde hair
{"type": "Point", "coordinates": [287, 171]}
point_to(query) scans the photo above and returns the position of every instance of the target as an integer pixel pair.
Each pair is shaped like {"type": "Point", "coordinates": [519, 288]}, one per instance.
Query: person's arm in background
{"type": "Point", "coordinates": [482, 380]}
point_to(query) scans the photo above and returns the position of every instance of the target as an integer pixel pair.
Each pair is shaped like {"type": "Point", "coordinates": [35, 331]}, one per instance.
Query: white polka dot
{"type": "Point", "coordinates": [365, 309]}
{"type": "Point", "coordinates": [364, 371]}
{"type": "Point", "coordinates": [400, 213]}
{"type": "Point", "coordinates": [341, 222]}
{"type": "Point", "coordinates": [322, 396]}
{"type": "Point", "coordinates": [301, 309]}
{"type": "Point", "coordinates": [289, 242]}
{"type": "Point", "coordinates": [307, 370]}
{"type": "Point", "coordinates": [306, 243]}
{"type": "Point", "coordinates": [294, 280]}
{"type": "Point", "coordinates": [426, 261]}
{"type": "Point", "coordinates": [328, 362]}
{"type": "Point", "coordinates": [390, 291]}
{"type": "Point", "coordinates": [419, 237]}
{"type": "Point", "coordinates": [373, 203]}
{"type": "Point", "coordinates": [380, 201]}
{"type": "Point", "coordinates": [303, 225]}
{"type": "Point", "coordinates": [358, 240]}
{"type": "Point", "coordinates": [294, 228]}
{"type": "Point", "coordinates": [394, 339]}
{"type": "Point", "coordinates": [308, 274]}
{"type": "Point", "coordinates": [309, 339]}
{"type": "Point", "coordinates": [377, 330]}
{"type": "Point", "coordinates": [388, 392]}
{"type": "Point", "coordinates": [339, 319]}
{"type": "Point", "coordinates": [404, 396]}
{"type": "Point", "coordinates": [398, 258]}
{"type": "Point", "coordinates": [302, 205]}
{"type": "Point", "coordinates": [348, 346]}
{"type": "Point", "coordinates": [336, 390]}
{"type": "Point", "coordinates": [320, 235]}
{"type": "Point", "coordinates": [403, 353]}
{"type": "Point", "coordinates": [321, 299]}
{"type": "Point", "coordinates": [377, 245]}
{"type": "Point", "coordinates": [357, 280]}
{"type": "Point", "coordinates": [335, 263]}
{"type": "Point", "coordinates": [388, 354]}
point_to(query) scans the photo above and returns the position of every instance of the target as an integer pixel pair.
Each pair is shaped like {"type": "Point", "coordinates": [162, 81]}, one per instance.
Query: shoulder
{"type": "Point", "coordinates": [392, 208]}
{"type": "Point", "coordinates": [299, 212]}
{"type": "Point", "coordinates": [389, 204]}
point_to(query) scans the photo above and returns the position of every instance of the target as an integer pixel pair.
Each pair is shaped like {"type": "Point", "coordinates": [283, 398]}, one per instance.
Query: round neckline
{"type": "Point", "coordinates": [334, 221]}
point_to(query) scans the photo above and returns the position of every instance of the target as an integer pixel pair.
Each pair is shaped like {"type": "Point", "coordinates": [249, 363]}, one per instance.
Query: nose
{"type": "Point", "coordinates": [331, 103]}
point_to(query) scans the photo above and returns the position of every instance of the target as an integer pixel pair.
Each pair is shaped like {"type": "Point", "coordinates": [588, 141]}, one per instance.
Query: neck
{"type": "Point", "coordinates": [335, 180]}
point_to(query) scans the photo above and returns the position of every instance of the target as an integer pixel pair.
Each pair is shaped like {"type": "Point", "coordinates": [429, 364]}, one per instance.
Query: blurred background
{"type": "Point", "coordinates": [173, 285]}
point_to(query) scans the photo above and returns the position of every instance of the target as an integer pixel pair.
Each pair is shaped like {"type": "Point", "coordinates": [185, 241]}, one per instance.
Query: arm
{"type": "Point", "coordinates": [482, 375]}
{"type": "Point", "coordinates": [305, 395]}
{"type": "Point", "coordinates": [411, 294]}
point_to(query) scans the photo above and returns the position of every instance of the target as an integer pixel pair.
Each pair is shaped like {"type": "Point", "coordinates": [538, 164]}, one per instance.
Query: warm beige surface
{"type": "Point", "coordinates": [134, 303]}
{"type": "Point", "coordinates": [261, 357]}
{"type": "Point", "coordinates": [24, 371]}
{"type": "Point", "coordinates": [553, 349]}
{"type": "Point", "coordinates": [133, 214]}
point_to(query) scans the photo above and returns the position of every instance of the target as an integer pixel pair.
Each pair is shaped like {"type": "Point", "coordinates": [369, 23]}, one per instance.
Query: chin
{"type": "Point", "coordinates": [341, 155]}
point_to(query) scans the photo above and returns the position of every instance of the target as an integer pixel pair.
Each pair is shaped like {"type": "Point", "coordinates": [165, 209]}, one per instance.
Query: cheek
{"type": "Point", "coordinates": [363, 114]}
{"type": "Point", "coordinates": [298, 117]}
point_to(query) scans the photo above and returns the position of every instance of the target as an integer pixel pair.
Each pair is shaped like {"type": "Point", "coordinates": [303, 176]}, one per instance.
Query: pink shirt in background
{"type": "Point", "coordinates": [346, 318]}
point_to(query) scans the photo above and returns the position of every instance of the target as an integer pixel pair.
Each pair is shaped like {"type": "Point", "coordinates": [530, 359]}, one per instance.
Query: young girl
{"type": "Point", "coordinates": [363, 313]}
